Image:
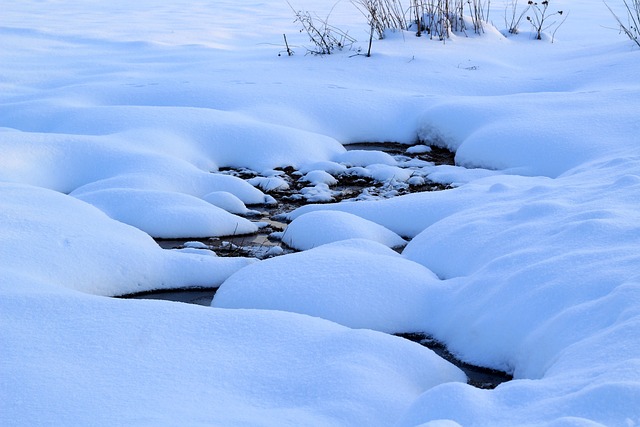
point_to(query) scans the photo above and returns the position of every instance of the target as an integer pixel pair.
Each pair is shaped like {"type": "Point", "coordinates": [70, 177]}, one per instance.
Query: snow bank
{"type": "Point", "coordinates": [578, 220]}
{"type": "Point", "coordinates": [357, 283]}
{"type": "Point", "coordinates": [98, 361]}
{"type": "Point", "coordinates": [168, 215]}
{"type": "Point", "coordinates": [83, 163]}
{"type": "Point", "coordinates": [228, 202]}
{"type": "Point", "coordinates": [317, 228]}
{"type": "Point", "coordinates": [561, 258]}
{"type": "Point", "coordinates": [539, 134]}
{"type": "Point", "coordinates": [58, 240]}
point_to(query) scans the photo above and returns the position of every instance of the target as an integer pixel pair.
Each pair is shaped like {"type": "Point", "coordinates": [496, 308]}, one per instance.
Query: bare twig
{"type": "Point", "coordinates": [513, 22]}
{"type": "Point", "coordinates": [289, 51]}
{"type": "Point", "coordinates": [632, 28]}
{"type": "Point", "coordinates": [326, 38]}
{"type": "Point", "coordinates": [540, 16]}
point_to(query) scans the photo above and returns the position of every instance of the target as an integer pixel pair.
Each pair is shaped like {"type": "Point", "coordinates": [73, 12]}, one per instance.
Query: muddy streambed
{"type": "Point", "coordinates": [289, 190]}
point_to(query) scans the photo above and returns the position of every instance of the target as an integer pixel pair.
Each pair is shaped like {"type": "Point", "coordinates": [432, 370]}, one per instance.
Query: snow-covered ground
{"type": "Point", "coordinates": [113, 116]}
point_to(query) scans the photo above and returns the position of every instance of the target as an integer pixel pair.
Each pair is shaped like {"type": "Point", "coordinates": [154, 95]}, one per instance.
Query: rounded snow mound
{"type": "Point", "coordinates": [357, 283]}
{"type": "Point", "coordinates": [168, 214]}
{"type": "Point", "coordinates": [319, 177]}
{"type": "Point", "coordinates": [321, 227]}
{"type": "Point", "coordinates": [227, 201]}
{"type": "Point", "coordinates": [365, 158]}
{"type": "Point", "coordinates": [65, 243]}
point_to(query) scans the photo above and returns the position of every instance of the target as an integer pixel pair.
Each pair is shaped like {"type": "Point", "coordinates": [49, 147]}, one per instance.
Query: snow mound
{"type": "Point", "coordinates": [123, 361]}
{"type": "Point", "coordinates": [228, 202]}
{"type": "Point", "coordinates": [168, 215]}
{"type": "Point", "coordinates": [319, 177]}
{"type": "Point", "coordinates": [196, 184]}
{"type": "Point", "coordinates": [319, 193]}
{"type": "Point", "coordinates": [320, 227]}
{"type": "Point", "coordinates": [332, 168]}
{"type": "Point", "coordinates": [42, 230]}
{"type": "Point", "coordinates": [419, 149]}
{"type": "Point", "coordinates": [357, 283]}
{"type": "Point", "coordinates": [269, 183]}
{"type": "Point", "coordinates": [364, 158]}
{"type": "Point", "coordinates": [382, 173]}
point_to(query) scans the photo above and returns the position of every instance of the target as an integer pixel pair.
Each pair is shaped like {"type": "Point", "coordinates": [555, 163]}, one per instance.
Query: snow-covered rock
{"type": "Point", "coordinates": [317, 228]}
{"type": "Point", "coordinates": [319, 177]}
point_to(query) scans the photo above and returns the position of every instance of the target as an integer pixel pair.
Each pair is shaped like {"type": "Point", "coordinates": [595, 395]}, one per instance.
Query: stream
{"type": "Point", "coordinates": [350, 186]}
{"type": "Point", "coordinates": [292, 193]}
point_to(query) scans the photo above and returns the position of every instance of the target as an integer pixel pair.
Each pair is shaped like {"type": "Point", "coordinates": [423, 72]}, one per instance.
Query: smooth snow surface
{"type": "Point", "coordinates": [118, 120]}
{"type": "Point", "coordinates": [95, 361]}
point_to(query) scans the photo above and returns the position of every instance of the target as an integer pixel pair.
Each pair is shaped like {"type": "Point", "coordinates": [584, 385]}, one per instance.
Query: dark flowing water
{"type": "Point", "coordinates": [198, 296]}
{"type": "Point", "coordinates": [478, 376]}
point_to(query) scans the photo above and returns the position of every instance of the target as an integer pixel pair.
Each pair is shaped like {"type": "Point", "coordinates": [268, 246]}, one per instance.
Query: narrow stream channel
{"type": "Point", "coordinates": [265, 243]}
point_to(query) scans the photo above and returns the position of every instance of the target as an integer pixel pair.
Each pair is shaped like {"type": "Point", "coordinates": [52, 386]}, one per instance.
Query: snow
{"type": "Point", "coordinates": [228, 202]}
{"type": "Point", "coordinates": [58, 240]}
{"type": "Point", "coordinates": [168, 215]}
{"type": "Point", "coordinates": [420, 148]}
{"type": "Point", "coordinates": [118, 121]}
{"type": "Point", "coordinates": [365, 158]}
{"type": "Point", "coordinates": [319, 177]}
{"type": "Point", "coordinates": [106, 362]}
{"type": "Point", "coordinates": [317, 228]}
{"type": "Point", "coordinates": [357, 283]}
{"type": "Point", "coordinates": [270, 183]}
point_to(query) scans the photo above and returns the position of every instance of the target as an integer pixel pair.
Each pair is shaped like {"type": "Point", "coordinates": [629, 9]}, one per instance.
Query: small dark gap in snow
{"type": "Point", "coordinates": [198, 296]}
{"type": "Point", "coordinates": [437, 155]}
{"type": "Point", "coordinates": [478, 376]}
